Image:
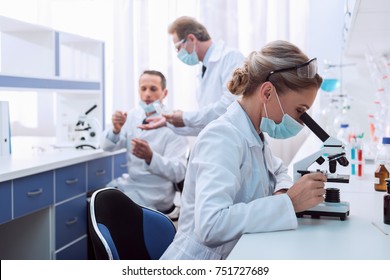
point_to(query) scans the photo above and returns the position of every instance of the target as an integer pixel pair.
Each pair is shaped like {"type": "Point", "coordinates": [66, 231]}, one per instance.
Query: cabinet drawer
{"type": "Point", "coordinates": [5, 202]}
{"type": "Point", "coordinates": [70, 181]}
{"type": "Point", "coordinates": [99, 173]}
{"type": "Point", "coordinates": [120, 165]}
{"type": "Point", "coordinates": [77, 251]}
{"type": "Point", "coordinates": [32, 193]}
{"type": "Point", "coordinates": [71, 221]}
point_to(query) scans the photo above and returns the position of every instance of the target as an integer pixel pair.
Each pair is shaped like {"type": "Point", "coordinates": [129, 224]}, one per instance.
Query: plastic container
{"type": "Point", "coordinates": [343, 133]}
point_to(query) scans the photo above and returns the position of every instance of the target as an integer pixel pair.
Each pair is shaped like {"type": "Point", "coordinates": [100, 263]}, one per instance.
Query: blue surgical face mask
{"type": "Point", "coordinates": [149, 108]}
{"type": "Point", "coordinates": [188, 58]}
{"type": "Point", "coordinates": [287, 128]}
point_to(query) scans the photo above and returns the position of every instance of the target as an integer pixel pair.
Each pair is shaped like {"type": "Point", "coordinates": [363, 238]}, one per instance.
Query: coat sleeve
{"type": "Point", "coordinates": [185, 131]}
{"type": "Point", "coordinates": [212, 111]}
{"type": "Point", "coordinates": [218, 217]}
{"type": "Point", "coordinates": [112, 142]}
{"type": "Point", "coordinates": [173, 162]}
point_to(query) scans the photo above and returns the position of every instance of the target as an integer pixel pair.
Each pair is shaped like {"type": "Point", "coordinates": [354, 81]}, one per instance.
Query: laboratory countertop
{"type": "Point", "coordinates": [363, 235]}
{"type": "Point", "coordinates": [31, 155]}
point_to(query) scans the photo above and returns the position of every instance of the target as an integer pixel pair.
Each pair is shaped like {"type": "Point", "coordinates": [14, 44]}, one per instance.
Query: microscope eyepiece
{"type": "Point", "coordinates": [314, 127]}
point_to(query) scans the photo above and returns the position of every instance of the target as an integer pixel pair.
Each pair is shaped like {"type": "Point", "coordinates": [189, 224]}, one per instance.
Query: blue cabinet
{"type": "Point", "coordinates": [99, 173]}
{"type": "Point", "coordinates": [70, 181]}
{"type": "Point", "coordinates": [59, 198]}
{"type": "Point", "coordinates": [32, 193]}
{"type": "Point", "coordinates": [120, 165]}
{"type": "Point", "coordinates": [76, 251]}
{"type": "Point", "coordinates": [5, 201]}
{"type": "Point", "coordinates": [71, 221]}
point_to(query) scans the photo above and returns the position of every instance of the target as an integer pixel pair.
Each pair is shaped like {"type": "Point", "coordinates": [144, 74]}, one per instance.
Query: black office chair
{"type": "Point", "coordinates": [121, 229]}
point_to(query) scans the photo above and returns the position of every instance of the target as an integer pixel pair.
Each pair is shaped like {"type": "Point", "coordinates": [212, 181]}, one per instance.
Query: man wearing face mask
{"type": "Point", "coordinates": [194, 47]}
{"type": "Point", "coordinates": [156, 158]}
{"type": "Point", "coordinates": [234, 185]}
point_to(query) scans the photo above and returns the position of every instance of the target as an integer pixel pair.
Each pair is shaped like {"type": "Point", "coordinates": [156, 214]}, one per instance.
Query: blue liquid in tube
{"type": "Point", "coordinates": [330, 85]}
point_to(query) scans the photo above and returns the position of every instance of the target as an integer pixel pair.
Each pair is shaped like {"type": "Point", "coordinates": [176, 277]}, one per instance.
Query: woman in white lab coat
{"type": "Point", "coordinates": [234, 185]}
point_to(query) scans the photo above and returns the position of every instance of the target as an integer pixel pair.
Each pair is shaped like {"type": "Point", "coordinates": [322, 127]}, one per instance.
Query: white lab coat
{"type": "Point", "coordinates": [228, 190]}
{"type": "Point", "coordinates": [212, 95]}
{"type": "Point", "coordinates": [150, 185]}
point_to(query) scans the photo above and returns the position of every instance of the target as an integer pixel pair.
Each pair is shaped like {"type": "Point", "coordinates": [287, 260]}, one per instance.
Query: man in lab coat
{"type": "Point", "coordinates": [156, 158]}
{"type": "Point", "coordinates": [194, 45]}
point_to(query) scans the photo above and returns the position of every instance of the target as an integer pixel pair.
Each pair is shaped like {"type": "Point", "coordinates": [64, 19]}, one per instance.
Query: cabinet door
{"type": "Point", "coordinates": [70, 181]}
{"type": "Point", "coordinates": [120, 165]}
{"type": "Point", "coordinates": [99, 173]}
{"type": "Point", "coordinates": [5, 202]}
{"type": "Point", "coordinates": [71, 221]}
{"type": "Point", "coordinates": [32, 193]}
{"type": "Point", "coordinates": [76, 251]}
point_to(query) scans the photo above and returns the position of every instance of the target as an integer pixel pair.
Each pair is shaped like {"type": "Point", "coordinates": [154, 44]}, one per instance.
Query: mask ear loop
{"type": "Point", "coordinates": [280, 105]}
{"type": "Point", "coordinates": [194, 50]}
{"type": "Point", "coordinates": [266, 113]}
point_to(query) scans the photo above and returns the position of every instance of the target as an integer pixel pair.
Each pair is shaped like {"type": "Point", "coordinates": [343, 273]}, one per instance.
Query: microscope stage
{"type": "Point", "coordinates": [337, 178]}
{"type": "Point", "coordinates": [331, 177]}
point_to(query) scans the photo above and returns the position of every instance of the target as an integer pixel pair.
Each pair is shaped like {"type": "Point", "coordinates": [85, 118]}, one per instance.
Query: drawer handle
{"type": "Point", "coordinates": [123, 165]}
{"type": "Point", "coordinates": [72, 221]}
{"type": "Point", "coordinates": [35, 192]}
{"type": "Point", "coordinates": [71, 181]}
{"type": "Point", "coordinates": [100, 172]}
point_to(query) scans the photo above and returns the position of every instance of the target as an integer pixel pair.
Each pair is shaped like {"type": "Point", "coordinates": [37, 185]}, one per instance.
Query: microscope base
{"type": "Point", "coordinates": [86, 144]}
{"type": "Point", "coordinates": [329, 209]}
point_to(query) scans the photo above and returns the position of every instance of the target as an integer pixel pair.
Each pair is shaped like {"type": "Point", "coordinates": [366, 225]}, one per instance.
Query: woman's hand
{"type": "Point", "coordinates": [308, 191]}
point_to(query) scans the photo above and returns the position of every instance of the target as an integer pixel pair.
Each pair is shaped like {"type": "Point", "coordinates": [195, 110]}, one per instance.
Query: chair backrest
{"type": "Point", "coordinates": [121, 229]}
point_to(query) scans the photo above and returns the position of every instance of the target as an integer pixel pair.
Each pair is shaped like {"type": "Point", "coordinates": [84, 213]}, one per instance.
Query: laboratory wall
{"type": "Point", "coordinates": [328, 42]}
{"type": "Point", "coordinates": [325, 39]}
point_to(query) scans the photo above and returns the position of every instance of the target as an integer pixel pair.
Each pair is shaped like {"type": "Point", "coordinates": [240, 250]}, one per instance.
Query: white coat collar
{"type": "Point", "coordinates": [217, 51]}
{"type": "Point", "coordinates": [238, 117]}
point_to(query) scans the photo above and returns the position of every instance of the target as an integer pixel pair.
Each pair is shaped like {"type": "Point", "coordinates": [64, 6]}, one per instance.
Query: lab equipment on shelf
{"type": "Point", "coordinates": [332, 74]}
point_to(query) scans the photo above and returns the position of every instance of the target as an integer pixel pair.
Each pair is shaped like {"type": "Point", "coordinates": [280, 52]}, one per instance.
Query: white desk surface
{"type": "Point", "coordinates": [329, 238]}
{"type": "Point", "coordinates": [31, 155]}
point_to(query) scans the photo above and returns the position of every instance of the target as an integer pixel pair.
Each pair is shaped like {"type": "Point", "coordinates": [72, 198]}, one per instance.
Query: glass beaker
{"type": "Point", "coordinates": [331, 77]}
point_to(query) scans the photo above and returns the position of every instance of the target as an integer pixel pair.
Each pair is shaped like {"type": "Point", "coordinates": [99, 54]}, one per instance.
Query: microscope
{"type": "Point", "coordinates": [87, 131]}
{"type": "Point", "coordinates": [334, 150]}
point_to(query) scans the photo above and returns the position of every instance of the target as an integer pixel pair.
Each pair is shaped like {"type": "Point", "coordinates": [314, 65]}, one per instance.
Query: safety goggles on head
{"type": "Point", "coordinates": [305, 70]}
{"type": "Point", "coordinates": [178, 44]}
